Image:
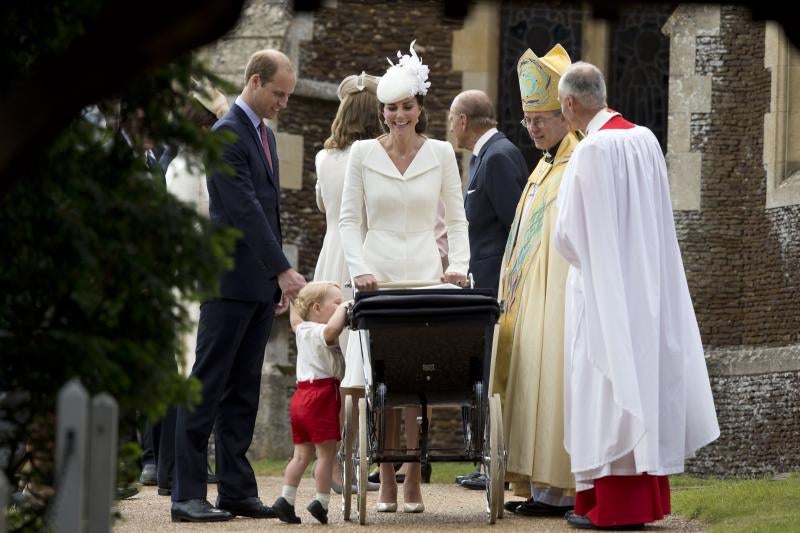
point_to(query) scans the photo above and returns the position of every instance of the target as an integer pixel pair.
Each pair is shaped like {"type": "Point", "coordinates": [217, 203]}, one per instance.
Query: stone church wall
{"type": "Point", "coordinates": [742, 262]}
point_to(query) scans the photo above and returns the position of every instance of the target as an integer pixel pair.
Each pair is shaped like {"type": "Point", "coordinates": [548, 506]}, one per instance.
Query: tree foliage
{"type": "Point", "coordinates": [98, 259]}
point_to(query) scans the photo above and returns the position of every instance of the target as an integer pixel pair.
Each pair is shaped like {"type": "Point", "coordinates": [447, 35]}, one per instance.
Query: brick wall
{"type": "Point", "coordinates": [760, 426]}
{"type": "Point", "coordinates": [742, 259]}
{"type": "Point", "coordinates": [302, 223]}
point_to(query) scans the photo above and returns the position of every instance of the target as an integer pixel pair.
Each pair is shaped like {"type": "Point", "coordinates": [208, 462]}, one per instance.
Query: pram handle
{"type": "Point", "coordinates": [411, 283]}
{"type": "Point", "coordinates": [408, 284]}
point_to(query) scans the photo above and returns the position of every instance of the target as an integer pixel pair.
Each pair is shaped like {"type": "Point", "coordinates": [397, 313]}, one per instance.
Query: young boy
{"type": "Point", "coordinates": [317, 318]}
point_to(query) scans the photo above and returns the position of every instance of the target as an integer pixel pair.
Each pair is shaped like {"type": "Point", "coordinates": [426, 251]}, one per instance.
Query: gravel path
{"type": "Point", "coordinates": [448, 508]}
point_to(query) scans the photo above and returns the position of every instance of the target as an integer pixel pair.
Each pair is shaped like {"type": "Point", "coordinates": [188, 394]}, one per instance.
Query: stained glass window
{"type": "Point", "coordinates": [638, 67]}
{"type": "Point", "coordinates": [538, 27]}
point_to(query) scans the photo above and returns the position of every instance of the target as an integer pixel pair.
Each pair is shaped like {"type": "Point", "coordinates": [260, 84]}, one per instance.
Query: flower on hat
{"type": "Point", "coordinates": [415, 67]}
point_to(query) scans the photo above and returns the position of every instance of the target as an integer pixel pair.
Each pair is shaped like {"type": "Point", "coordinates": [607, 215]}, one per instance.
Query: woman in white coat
{"type": "Point", "coordinates": [357, 118]}
{"type": "Point", "coordinates": [397, 180]}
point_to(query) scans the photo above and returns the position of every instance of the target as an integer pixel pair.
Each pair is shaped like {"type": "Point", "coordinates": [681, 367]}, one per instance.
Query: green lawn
{"type": "Point", "coordinates": [272, 467]}
{"type": "Point", "coordinates": [739, 505]}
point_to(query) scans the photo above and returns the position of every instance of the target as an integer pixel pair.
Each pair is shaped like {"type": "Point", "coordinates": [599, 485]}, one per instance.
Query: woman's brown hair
{"type": "Point", "coordinates": [355, 120]}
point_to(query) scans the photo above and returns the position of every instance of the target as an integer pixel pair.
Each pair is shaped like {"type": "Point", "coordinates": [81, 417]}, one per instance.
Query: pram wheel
{"type": "Point", "coordinates": [347, 464]}
{"type": "Point", "coordinates": [363, 461]}
{"type": "Point", "coordinates": [501, 454]}
{"type": "Point", "coordinates": [494, 459]}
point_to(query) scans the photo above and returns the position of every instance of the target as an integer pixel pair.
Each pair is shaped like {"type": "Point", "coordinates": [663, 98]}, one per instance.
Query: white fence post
{"type": "Point", "coordinates": [4, 490]}
{"type": "Point", "coordinates": [103, 463]}
{"type": "Point", "coordinates": [72, 421]}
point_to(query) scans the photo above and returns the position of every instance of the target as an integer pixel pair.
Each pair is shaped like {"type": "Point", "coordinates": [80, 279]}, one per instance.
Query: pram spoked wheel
{"type": "Point", "coordinates": [347, 464]}
{"type": "Point", "coordinates": [363, 461]}
{"type": "Point", "coordinates": [361, 454]}
{"type": "Point", "coordinates": [494, 459]}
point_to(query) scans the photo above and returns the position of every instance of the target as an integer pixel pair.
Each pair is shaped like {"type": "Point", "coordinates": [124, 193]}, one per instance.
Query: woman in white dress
{"type": "Point", "coordinates": [393, 184]}
{"type": "Point", "coordinates": [357, 118]}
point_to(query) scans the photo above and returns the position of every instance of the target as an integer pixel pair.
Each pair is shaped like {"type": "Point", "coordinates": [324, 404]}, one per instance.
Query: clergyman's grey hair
{"type": "Point", "coordinates": [585, 82]}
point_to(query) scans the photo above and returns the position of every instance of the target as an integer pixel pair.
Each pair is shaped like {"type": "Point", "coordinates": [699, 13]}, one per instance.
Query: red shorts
{"type": "Point", "coordinates": [314, 411]}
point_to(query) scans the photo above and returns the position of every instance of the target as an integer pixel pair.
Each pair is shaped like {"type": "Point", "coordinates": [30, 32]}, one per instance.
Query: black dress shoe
{"type": "Point", "coordinates": [582, 522]}
{"type": "Point", "coordinates": [375, 477]}
{"type": "Point", "coordinates": [198, 510]}
{"type": "Point", "coordinates": [149, 476]}
{"type": "Point", "coordinates": [478, 483]}
{"type": "Point", "coordinates": [285, 511]}
{"type": "Point", "coordinates": [534, 508]}
{"type": "Point", "coordinates": [471, 475]}
{"type": "Point", "coordinates": [318, 511]}
{"type": "Point", "coordinates": [164, 491]}
{"type": "Point", "coordinates": [123, 493]}
{"type": "Point", "coordinates": [512, 505]}
{"type": "Point", "coordinates": [250, 507]}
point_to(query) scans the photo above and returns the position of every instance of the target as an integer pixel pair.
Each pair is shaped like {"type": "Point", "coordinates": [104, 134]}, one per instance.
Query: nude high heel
{"type": "Point", "coordinates": [413, 507]}
{"type": "Point", "coordinates": [382, 507]}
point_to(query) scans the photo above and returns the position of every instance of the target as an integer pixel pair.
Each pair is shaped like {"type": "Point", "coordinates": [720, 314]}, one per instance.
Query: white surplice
{"type": "Point", "coordinates": [637, 393]}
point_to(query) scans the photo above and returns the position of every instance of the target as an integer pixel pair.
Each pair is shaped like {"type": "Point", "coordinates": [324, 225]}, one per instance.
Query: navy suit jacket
{"type": "Point", "coordinates": [243, 193]}
{"type": "Point", "coordinates": [493, 191]}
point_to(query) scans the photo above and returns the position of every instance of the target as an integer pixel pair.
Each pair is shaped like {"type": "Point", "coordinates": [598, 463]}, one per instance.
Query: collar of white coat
{"type": "Point", "coordinates": [378, 160]}
{"type": "Point", "coordinates": [599, 120]}
{"type": "Point", "coordinates": [483, 139]}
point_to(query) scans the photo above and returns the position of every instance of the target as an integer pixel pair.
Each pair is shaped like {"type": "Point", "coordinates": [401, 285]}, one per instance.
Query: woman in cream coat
{"type": "Point", "coordinates": [398, 180]}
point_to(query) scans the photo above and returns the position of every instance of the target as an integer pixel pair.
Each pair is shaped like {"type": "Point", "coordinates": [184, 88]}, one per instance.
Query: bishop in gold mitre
{"type": "Point", "coordinates": [528, 360]}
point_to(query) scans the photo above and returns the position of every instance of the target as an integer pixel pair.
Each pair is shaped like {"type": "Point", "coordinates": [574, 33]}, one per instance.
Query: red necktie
{"type": "Point", "coordinates": [262, 130]}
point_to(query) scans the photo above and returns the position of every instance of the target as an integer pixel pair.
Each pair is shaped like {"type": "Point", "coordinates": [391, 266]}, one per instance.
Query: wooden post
{"type": "Point", "coordinates": [4, 490]}
{"type": "Point", "coordinates": [103, 464]}
{"type": "Point", "coordinates": [72, 421]}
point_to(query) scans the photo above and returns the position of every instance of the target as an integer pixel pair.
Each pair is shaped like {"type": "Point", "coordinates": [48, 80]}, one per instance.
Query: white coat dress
{"type": "Point", "coordinates": [400, 240]}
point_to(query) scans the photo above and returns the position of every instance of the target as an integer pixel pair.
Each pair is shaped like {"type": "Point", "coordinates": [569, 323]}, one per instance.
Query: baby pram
{"type": "Point", "coordinates": [427, 347]}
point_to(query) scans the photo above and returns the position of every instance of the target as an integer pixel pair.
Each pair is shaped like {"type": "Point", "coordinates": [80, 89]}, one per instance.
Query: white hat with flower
{"type": "Point", "coordinates": [409, 77]}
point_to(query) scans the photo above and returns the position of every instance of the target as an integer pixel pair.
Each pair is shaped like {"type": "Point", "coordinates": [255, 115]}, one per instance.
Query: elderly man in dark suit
{"type": "Point", "coordinates": [244, 193]}
{"type": "Point", "coordinates": [497, 175]}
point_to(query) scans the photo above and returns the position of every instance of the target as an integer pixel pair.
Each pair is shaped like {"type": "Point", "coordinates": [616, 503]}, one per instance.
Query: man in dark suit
{"type": "Point", "coordinates": [233, 329]}
{"type": "Point", "coordinates": [497, 175]}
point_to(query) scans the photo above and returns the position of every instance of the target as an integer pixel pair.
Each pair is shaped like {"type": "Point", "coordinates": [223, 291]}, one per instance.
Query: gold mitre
{"type": "Point", "coordinates": [538, 79]}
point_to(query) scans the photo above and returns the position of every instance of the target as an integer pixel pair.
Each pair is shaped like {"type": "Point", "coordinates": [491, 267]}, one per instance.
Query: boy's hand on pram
{"type": "Point", "coordinates": [455, 278]}
{"type": "Point", "coordinates": [366, 282]}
